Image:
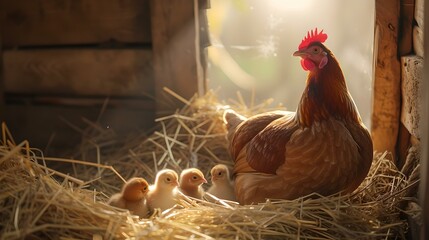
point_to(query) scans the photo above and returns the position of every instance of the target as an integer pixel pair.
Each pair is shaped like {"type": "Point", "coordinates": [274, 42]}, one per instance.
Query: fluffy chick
{"type": "Point", "coordinates": [162, 194]}
{"type": "Point", "coordinates": [132, 197]}
{"type": "Point", "coordinates": [191, 181]}
{"type": "Point", "coordinates": [222, 187]}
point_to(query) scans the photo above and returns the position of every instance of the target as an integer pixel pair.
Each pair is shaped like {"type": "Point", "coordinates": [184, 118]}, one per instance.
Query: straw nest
{"type": "Point", "coordinates": [39, 202]}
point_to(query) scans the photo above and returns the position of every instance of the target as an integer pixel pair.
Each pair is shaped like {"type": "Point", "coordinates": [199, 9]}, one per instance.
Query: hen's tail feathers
{"type": "Point", "coordinates": [232, 120]}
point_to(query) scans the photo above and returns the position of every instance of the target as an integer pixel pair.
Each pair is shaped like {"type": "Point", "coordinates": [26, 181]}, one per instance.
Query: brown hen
{"type": "Point", "coordinates": [321, 148]}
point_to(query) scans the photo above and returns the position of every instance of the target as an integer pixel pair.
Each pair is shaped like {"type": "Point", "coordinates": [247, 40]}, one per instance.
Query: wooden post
{"type": "Point", "coordinates": [386, 96]}
{"type": "Point", "coordinates": [176, 51]}
{"type": "Point", "coordinates": [2, 100]}
{"type": "Point", "coordinates": [424, 175]}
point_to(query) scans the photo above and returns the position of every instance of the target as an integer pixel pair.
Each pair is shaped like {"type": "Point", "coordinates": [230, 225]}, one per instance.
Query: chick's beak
{"type": "Point", "coordinates": [300, 53]}
{"type": "Point", "coordinates": [175, 183]}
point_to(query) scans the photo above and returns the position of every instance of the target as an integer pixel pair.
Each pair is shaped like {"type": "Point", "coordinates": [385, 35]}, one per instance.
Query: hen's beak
{"type": "Point", "coordinates": [300, 53]}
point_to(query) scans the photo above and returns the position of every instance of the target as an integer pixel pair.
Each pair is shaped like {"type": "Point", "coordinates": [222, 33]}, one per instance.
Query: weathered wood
{"type": "Point", "coordinates": [176, 52]}
{"type": "Point", "coordinates": [405, 42]}
{"type": "Point", "coordinates": [386, 95]}
{"type": "Point", "coordinates": [39, 123]}
{"type": "Point", "coordinates": [412, 78]}
{"type": "Point", "coordinates": [424, 175]}
{"type": "Point", "coordinates": [418, 41]}
{"type": "Point", "coordinates": [52, 22]}
{"type": "Point", "coordinates": [78, 101]}
{"type": "Point", "coordinates": [2, 112]}
{"type": "Point", "coordinates": [403, 145]}
{"type": "Point", "coordinates": [419, 12]}
{"type": "Point", "coordinates": [124, 72]}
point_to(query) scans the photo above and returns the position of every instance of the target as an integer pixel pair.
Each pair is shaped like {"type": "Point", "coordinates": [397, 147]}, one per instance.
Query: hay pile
{"type": "Point", "coordinates": [42, 203]}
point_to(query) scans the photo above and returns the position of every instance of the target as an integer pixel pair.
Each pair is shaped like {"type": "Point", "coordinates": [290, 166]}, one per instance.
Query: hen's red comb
{"type": "Point", "coordinates": [312, 36]}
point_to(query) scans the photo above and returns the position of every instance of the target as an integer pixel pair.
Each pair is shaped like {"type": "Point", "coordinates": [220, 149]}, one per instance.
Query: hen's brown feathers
{"type": "Point", "coordinates": [323, 147]}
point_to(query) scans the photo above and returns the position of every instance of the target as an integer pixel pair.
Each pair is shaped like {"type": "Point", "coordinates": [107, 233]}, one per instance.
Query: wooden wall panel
{"type": "Point", "coordinates": [387, 77]}
{"type": "Point", "coordinates": [412, 77]}
{"type": "Point", "coordinates": [125, 72]}
{"type": "Point", "coordinates": [53, 22]}
{"type": "Point", "coordinates": [176, 51]}
{"type": "Point", "coordinates": [405, 41]}
{"type": "Point", "coordinates": [43, 124]}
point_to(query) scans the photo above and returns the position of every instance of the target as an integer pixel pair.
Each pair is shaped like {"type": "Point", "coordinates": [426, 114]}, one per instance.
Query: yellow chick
{"type": "Point", "coordinates": [132, 197]}
{"type": "Point", "coordinates": [162, 194]}
{"type": "Point", "coordinates": [222, 186]}
{"type": "Point", "coordinates": [191, 181]}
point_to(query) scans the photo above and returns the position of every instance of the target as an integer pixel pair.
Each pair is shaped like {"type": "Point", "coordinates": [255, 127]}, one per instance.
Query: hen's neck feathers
{"type": "Point", "coordinates": [326, 96]}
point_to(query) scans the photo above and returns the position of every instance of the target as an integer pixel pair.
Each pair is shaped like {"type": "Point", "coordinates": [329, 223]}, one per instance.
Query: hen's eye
{"type": "Point", "coordinates": [316, 50]}
{"type": "Point", "coordinates": [220, 173]}
{"type": "Point", "coordinates": [145, 188]}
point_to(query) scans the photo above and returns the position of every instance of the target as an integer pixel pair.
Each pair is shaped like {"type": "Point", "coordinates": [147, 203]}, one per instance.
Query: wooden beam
{"type": "Point", "coordinates": [1, 81]}
{"type": "Point", "coordinates": [79, 72]}
{"type": "Point", "coordinates": [44, 124]}
{"type": "Point", "coordinates": [386, 95]}
{"type": "Point", "coordinates": [52, 22]}
{"type": "Point", "coordinates": [424, 174]}
{"type": "Point", "coordinates": [176, 51]}
{"type": "Point", "coordinates": [418, 41]}
{"type": "Point", "coordinates": [412, 77]}
{"type": "Point", "coordinates": [405, 41]}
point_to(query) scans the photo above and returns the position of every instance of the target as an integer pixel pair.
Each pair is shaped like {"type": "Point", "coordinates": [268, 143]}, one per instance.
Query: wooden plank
{"type": "Point", "coordinates": [176, 54]}
{"type": "Point", "coordinates": [424, 174]}
{"type": "Point", "coordinates": [1, 80]}
{"type": "Point", "coordinates": [52, 22]}
{"type": "Point", "coordinates": [403, 145]}
{"type": "Point", "coordinates": [386, 95]}
{"type": "Point", "coordinates": [412, 78]}
{"type": "Point", "coordinates": [405, 41]}
{"type": "Point", "coordinates": [419, 13]}
{"type": "Point", "coordinates": [418, 41]}
{"type": "Point", "coordinates": [128, 103]}
{"type": "Point", "coordinates": [121, 72]}
{"type": "Point", "coordinates": [40, 123]}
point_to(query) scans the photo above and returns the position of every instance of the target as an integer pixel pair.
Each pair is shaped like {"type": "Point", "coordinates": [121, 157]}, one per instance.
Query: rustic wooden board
{"type": "Point", "coordinates": [419, 12]}
{"type": "Point", "coordinates": [405, 42]}
{"type": "Point", "coordinates": [39, 123]}
{"type": "Point", "coordinates": [52, 22]}
{"type": "Point", "coordinates": [125, 72]}
{"type": "Point", "coordinates": [412, 78]}
{"type": "Point", "coordinates": [176, 52]}
{"type": "Point", "coordinates": [386, 95]}
{"type": "Point", "coordinates": [418, 41]}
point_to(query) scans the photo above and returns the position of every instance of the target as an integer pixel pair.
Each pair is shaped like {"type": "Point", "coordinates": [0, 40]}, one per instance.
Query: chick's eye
{"type": "Point", "coordinates": [168, 179]}
{"type": "Point", "coordinates": [220, 174]}
{"type": "Point", "coordinates": [145, 188]}
{"type": "Point", "coordinates": [194, 177]}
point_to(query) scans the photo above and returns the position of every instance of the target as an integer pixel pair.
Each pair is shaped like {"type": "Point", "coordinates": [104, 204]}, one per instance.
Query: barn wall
{"type": "Point", "coordinates": [398, 91]}
{"type": "Point", "coordinates": [67, 63]}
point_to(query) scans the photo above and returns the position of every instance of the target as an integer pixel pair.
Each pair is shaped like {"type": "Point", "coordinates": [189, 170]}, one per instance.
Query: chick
{"type": "Point", "coordinates": [222, 186]}
{"type": "Point", "coordinates": [162, 194]}
{"type": "Point", "coordinates": [132, 197]}
{"type": "Point", "coordinates": [191, 180]}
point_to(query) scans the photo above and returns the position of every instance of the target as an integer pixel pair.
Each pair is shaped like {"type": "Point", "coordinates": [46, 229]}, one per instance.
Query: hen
{"type": "Point", "coordinates": [321, 148]}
